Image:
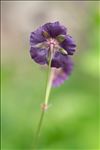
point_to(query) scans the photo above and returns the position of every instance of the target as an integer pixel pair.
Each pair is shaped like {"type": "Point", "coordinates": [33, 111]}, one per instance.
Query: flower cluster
{"type": "Point", "coordinates": [52, 40]}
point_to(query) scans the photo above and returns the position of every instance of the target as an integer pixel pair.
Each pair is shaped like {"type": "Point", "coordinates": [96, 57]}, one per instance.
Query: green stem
{"type": "Point", "coordinates": [45, 105]}
{"type": "Point", "coordinates": [49, 83]}
{"type": "Point", "coordinates": [38, 130]}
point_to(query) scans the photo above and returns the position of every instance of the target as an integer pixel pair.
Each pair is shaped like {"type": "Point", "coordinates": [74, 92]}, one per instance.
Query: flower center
{"type": "Point", "coordinates": [52, 42]}
{"type": "Point", "coordinates": [52, 45]}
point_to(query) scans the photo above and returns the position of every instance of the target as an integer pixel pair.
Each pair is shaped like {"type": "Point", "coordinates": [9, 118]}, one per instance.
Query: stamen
{"type": "Point", "coordinates": [52, 41]}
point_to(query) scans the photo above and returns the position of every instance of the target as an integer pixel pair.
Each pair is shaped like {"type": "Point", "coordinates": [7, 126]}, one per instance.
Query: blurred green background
{"type": "Point", "coordinates": [72, 121]}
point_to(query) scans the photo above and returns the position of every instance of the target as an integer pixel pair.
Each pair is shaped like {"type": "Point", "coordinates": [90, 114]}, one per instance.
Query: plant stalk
{"type": "Point", "coordinates": [48, 89]}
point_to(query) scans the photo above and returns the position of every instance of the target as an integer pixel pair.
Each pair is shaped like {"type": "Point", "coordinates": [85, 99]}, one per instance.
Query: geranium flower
{"type": "Point", "coordinates": [52, 39]}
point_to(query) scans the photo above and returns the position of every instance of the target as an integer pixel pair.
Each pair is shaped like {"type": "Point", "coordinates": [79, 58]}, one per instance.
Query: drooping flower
{"type": "Point", "coordinates": [52, 39]}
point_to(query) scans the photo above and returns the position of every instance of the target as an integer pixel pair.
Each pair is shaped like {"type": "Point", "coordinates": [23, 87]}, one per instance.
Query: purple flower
{"type": "Point", "coordinates": [44, 36]}
{"type": "Point", "coordinates": [52, 39]}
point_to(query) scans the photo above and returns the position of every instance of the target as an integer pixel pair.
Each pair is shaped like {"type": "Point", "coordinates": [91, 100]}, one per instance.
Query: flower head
{"type": "Point", "coordinates": [52, 40]}
{"type": "Point", "coordinates": [55, 35]}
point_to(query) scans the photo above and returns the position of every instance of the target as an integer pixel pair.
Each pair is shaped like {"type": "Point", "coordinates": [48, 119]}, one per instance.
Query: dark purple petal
{"type": "Point", "coordinates": [59, 60]}
{"type": "Point", "coordinates": [69, 45]}
{"type": "Point", "coordinates": [61, 74]}
{"type": "Point", "coordinates": [37, 36]}
{"type": "Point", "coordinates": [68, 66]}
{"type": "Point", "coordinates": [39, 55]}
{"type": "Point", "coordinates": [54, 29]}
{"type": "Point", "coordinates": [56, 61]}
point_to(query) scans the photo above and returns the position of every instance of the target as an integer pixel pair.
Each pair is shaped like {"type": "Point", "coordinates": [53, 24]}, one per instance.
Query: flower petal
{"type": "Point", "coordinates": [61, 74]}
{"type": "Point", "coordinates": [69, 45]}
{"type": "Point", "coordinates": [37, 36]}
{"type": "Point", "coordinates": [54, 29]}
{"type": "Point", "coordinates": [59, 60]}
{"type": "Point", "coordinates": [56, 61]}
{"type": "Point", "coordinates": [39, 55]}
